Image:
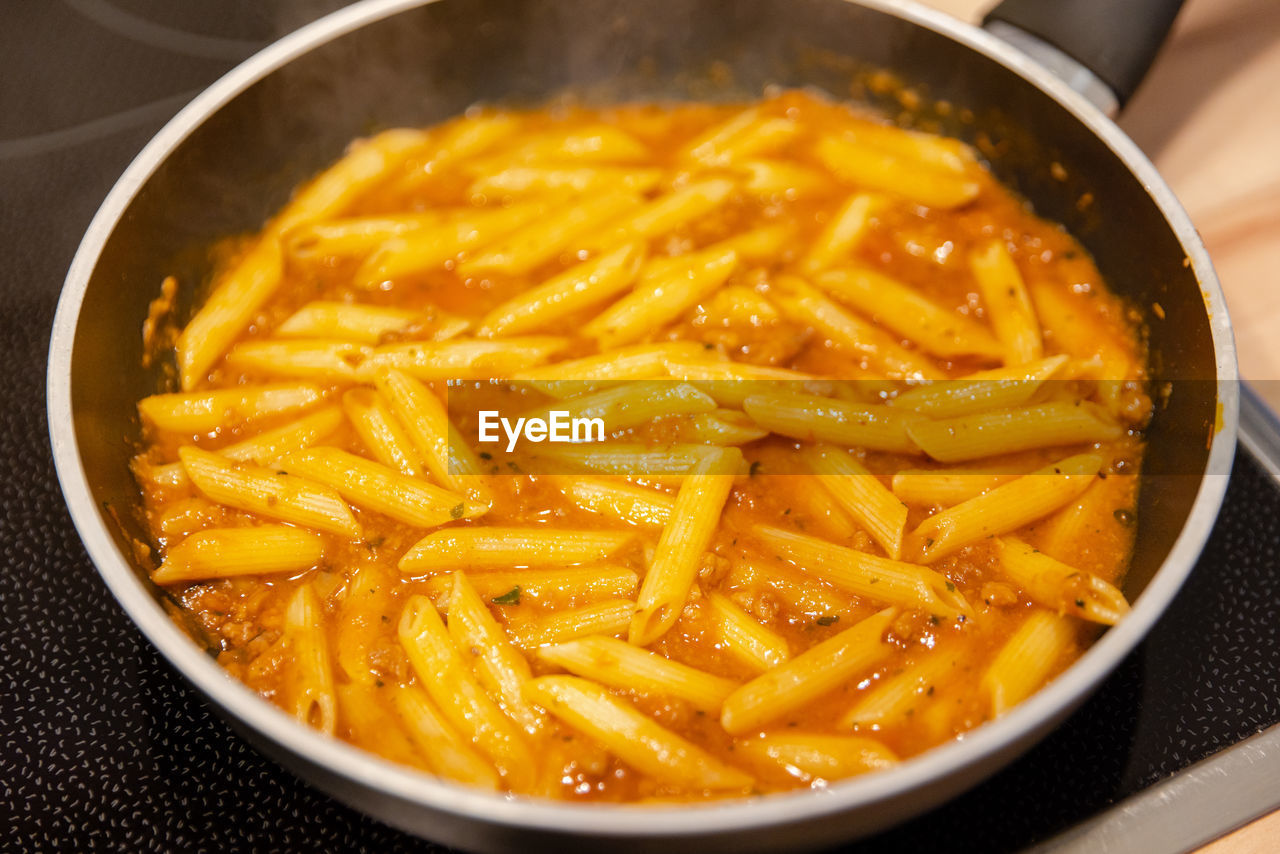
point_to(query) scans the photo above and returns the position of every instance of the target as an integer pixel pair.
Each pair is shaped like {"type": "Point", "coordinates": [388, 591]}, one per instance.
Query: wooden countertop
{"type": "Point", "coordinates": [1208, 114]}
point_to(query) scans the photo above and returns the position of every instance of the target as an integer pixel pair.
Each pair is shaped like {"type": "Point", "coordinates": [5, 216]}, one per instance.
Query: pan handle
{"type": "Point", "coordinates": [1115, 40]}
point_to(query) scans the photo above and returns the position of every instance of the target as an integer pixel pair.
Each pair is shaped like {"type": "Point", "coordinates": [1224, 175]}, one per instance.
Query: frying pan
{"type": "Point", "coordinates": [232, 156]}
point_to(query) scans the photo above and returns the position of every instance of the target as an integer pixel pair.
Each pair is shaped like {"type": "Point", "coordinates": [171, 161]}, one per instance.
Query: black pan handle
{"type": "Point", "coordinates": [1115, 39]}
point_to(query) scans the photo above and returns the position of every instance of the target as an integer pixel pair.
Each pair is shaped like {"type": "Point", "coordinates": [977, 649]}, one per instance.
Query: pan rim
{"type": "Point", "coordinates": [360, 768]}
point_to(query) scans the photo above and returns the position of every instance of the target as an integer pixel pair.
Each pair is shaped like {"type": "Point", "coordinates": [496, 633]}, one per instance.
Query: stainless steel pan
{"type": "Point", "coordinates": [232, 156]}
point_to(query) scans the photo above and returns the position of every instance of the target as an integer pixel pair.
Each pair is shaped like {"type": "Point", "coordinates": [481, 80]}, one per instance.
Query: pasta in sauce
{"type": "Point", "coordinates": [869, 478]}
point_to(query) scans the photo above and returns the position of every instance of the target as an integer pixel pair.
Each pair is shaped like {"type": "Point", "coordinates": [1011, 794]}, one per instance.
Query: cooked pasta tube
{"type": "Point", "coordinates": [595, 143]}
{"type": "Point", "coordinates": [331, 361]}
{"type": "Point", "coordinates": [841, 235]}
{"type": "Point", "coordinates": [499, 666]}
{"type": "Point", "coordinates": [763, 134]}
{"type": "Point", "coordinates": [631, 735]}
{"type": "Point", "coordinates": [779, 178]}
{"type": "Point", "coordinates": [446, 753]}
{"type": "Point", "coordinates": [522, 180]}
{"type": "Point", "coordinates": [800, 593]}
{"type": "Point", "coordinates": [381, 433]}
{"type": "Point", "coordinates": [820, 419]}
{"type": "Point", "coordinates": [376, 487]}
{"type": "Point", "coordinates": [881, 513]}
{"type": "Point", "coordinates": [660, 300]}
{"type": "Point", "coordinates": [545, 238]}
{"type": "Point", "coordinates": [1027, 660]}
{"type": "Point", "coordinates": [816, 757]}
{"type": "Point", "coordinates": [244, 288]}
{"type": "Point", "coordinates": [617, 499]}
{"type": "Point", "coordinates": [814, 672]}
{"type": "Point", "coordinates": [663, 214]}
{"type": "Point", "coordinates": [1003, 509]}
{"type": "Point", "coordinates": [722, 427]}
{"type": "Point", "coordinates": [429, 248]}
{"type": "Point", "coordinates": [631, 405]}
{"type": "Point", "coordinates": [611, 617]}
{"type": "Point", "coordinates": [707, 147]}
{"type": "Point", "coordinates": [268, 493]}
{"type": "Point", "coordinates": [983, 391]}
{"type": "Point", "coordinates": [876, 578]}
{"type": "Point", "coordinates": [873, 168]}
{"type": "Point", "coordinates": [449, 459]}
{"type": "Point", "coordinates": [454, 689]}
{"type": "Point", "coordinates": [356, 236]}
{"type": "Point", "coordinates": [1012, 315]}
{"type": "Point", "coordinates": [899, 696]}
{"type": "Point", "coordinates": [685, 537]}
{"type": "Point", "coordinates": [206, 411]}
{"type": "Point", "coordinates": [1057, 586]}
{"type": "Point", "coordinates": [618, 664]}
{"type": "Point", "coordinates": [261, 448]}
{"type": "Point", "coordinates": [947, 487]}
{"type": "Point", "coordinates": [900, 307]}
{"type": "Point", "coordinates": [939, 152]}
{"type": "Point", "coordinates": [312, 696]}
{"type": "Point", "coordinates": [362, 715]}
{"type": "Point", "coordinates": [630, 458]}
{"type": "Point", "coordinates": [556, 588]}
{"type": "Point", "coordinates": [1004, 431]}
{"type": "Point", "coordinates": [808, 306]}
{"type": "Point", "coordinates": [367, 606]}
{"type": "Point", "coordinates": [367, 324]}
{"type": "Point", "coordinates": [460, 358]}
{"type": "Point", "coordinates": [482, 547]}
{"type": "Point", "coordinates": [228, 552]}
{"type": "Point", "coordinates": [578, 288]}
{"type": "Point", "coordinates": [746, 638]}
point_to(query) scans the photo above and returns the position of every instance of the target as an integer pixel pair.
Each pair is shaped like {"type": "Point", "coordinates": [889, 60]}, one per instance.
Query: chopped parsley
{"type": "Point", "coordinates": [511, 597]}
{"type": "Point", "coordinates": [828, 620]}
{"type": "Point", "coordinates": [755, 468]}
{"type": "Point", "coordinates": [456, 511]}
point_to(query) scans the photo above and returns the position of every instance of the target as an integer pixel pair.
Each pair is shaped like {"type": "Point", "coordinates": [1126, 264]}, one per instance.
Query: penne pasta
{"type": "Point", "coordinates": [663, 214]}
{"type": "Point", "coordinates": [871, 167]}
{"type": "Point", "coordinates": [522, 180]}
{"type": "Point", "coordinates": [1008, 305]}
{"type": "Point", "coordinates": [460, 358]}
{"type": "Point", "coordinates": [878, 579]}
{"type": "Point", "coordinates": [611, 617]}
{"type": "Point", "coordinates": [453, 689]}
{"type": "Point", "coordinates": [203, 412]}
{"type": "Point", "coordinates": [895, 698]}
{"type": "Point", "coordinates": [812, 757]}
{"type": "Point", "coordinates": [268, 493]}
{"type": "Point", "coordinates": [947, 487]}
{"type": "Point", "coordinates": [746, 638]}
{"type": "Point", "coordinates": [860, 493]}
{"type": "Point", "coordinates": [818, 419]}
{"type": "Point", "coordinates": [367, 606]}
{"type": "Point", "coordinates": [229, 552]}
{"type": "Point", "coordinates": [618, 664]}
{"type": "Point", "coordinates": [808, 306]}
{"type": "Point", "coordinates": [331, 361]}
{"type": "Point", "coordinates": [1027, 660]}
{"type": "Point", "coordinates": [446, 753]}
{"type": "Point", "coordinates": [659, 301]}
{"type": "Point", "coordinates": [500, 667]}
{"type": "Point", "coordinates": [685, 537]}
{"type": "Point", "coordinates": [631, 405]}
{"type": "Point", "coordinates": [841, 235]}
{"type": "Point", "coordinates": [373, 486]}
{"type": "Point", "coordinates": [983, 391]}
{"type": "Point", "coordinates": [1004, 431]}
{"type": "Point", "coordinates": [617, 499]}
{"type": "Point", "coordinates": [1003, 509]}
{"type": "Point", "coordinates": [555, 588]}
{"type": "Point", "coordinates": [633, 737]}
{"type": "Point", "coordinates": [313, 699]}
{"type": "Point", "coordinates": [366, 324]}
{"type": "Point", "coordinates": [807, 676]}
{"type": "Point", "coordinates": [1057, 586]}
{"type": "Point", "coordinates": [576, 289]}
{"type": "Point", "coordinates": [900, 307]}
{"type": "Point", "coordinates": [381, 432]}
{"type": "Point", "coordinates": [479, 548]}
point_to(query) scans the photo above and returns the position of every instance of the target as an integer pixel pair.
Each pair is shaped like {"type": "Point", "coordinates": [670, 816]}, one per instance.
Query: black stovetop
{"type": "Point", "coordinates": [105, 746]}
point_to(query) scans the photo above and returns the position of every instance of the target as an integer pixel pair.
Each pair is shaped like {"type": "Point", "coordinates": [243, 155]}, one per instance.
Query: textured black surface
{"type": "Point", "coordinates": [101, 743]}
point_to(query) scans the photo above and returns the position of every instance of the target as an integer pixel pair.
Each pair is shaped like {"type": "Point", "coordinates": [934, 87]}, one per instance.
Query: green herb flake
{"type": "Point", "coordinates": [755, 468]}
{"type": "Point", "coordinates": [1079, 603]}
{"type": "Point", "coordinates": [485, 455]}
{"type": "Point", "coordinates": [828, 620]}
{"type": "Point", "coordinates": [456, 511]}
{"type": "Point", "coordinates": [511, 597]}
{"type": "Point", "coordinates": [951, 588]}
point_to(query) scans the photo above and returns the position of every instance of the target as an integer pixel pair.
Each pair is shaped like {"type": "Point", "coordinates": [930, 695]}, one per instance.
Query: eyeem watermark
{"type": "Point", "coordinates": [558, 426]}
